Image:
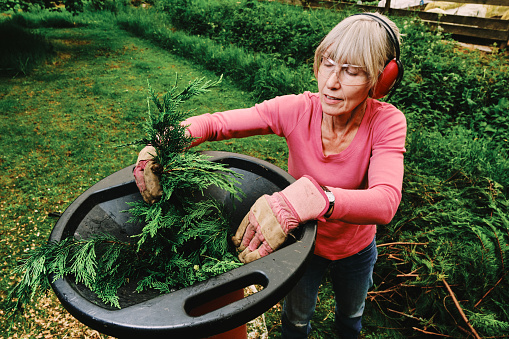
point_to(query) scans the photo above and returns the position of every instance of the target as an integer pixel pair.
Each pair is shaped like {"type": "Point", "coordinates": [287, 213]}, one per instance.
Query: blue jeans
{"type": "Point", "coordinates": [351, 279]}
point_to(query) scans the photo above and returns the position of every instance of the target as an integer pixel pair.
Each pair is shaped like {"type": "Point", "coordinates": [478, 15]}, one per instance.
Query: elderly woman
{"type": "Point", "coordinates": [346, 152]}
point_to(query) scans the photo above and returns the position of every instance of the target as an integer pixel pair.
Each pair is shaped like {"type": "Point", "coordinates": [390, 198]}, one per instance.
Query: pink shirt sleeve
{"type": "Point", "coordinates": [238, 123]}
{"type": "Point", "coordinates": [378, 203]}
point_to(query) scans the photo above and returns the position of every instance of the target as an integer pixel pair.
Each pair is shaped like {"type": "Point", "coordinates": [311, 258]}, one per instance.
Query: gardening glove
{"type": "Point", "coordinates": [270, 219]}
{"type": "Point", "coordinates": [147, 175]}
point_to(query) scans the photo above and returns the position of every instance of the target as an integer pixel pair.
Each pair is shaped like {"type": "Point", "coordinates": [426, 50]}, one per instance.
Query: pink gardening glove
{"type": "Point", "coordinates": [147, 175]}
{"type": "Point", "coordinates": [266, 226]}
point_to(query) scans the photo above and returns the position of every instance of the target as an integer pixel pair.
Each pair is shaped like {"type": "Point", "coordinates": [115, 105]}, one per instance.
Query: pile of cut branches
{"type": "Point", "coordinates": [444, 259]}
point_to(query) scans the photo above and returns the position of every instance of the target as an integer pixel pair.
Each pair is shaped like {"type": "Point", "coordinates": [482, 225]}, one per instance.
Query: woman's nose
{"type": "Point", "coordinates": [333, 80]}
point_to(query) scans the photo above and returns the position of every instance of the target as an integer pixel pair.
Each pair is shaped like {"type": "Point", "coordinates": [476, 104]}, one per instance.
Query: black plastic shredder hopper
{"type": "Point", "coordinates": [146, 315]}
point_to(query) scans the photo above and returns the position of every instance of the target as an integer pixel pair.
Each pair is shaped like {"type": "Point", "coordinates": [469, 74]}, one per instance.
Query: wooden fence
{"type": "Point", "coordinates": [483, 30]}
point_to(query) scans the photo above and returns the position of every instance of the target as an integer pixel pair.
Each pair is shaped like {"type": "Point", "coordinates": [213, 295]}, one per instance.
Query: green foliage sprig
{"type": "Point", "coordinates": [100, 263]}
{"type": "Point", "coordinates": [185, 237]}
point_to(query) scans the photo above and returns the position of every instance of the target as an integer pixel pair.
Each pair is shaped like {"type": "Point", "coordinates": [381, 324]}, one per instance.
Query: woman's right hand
{"type": "Point", "coordinates": [147, 174]}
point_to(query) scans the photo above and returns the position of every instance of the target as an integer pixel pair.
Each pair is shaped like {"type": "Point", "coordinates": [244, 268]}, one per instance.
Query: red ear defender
{"type": "Point", "coordinates": [392, 74]}
{"type": "Point", "coordinates": [387, 79]}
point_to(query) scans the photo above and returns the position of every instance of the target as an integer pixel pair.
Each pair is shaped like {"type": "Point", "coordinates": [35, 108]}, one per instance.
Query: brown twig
{"type": "Point", "coordinates": [402, 243]}
{"type": "Point", "coordinates": [500, 249]}
{"type": "Point", "coordinates": [458, 306]}
{"type": "Point", "coordinates": [393, 256]}
{"type": "Point", "coordinates": [465, 331]}
{"type": "Point", "coordinates": [392, 289]}
{"type": "Point", "coordinates": [445, 306]}
{"type": "Point", "coordinates": [405, 315]}
{"type": "Point", "coordinates": [327, 316]}
{"type": "Point", "coordinates": [408, 275]}
{"type": "Point", "coordinates": [274, 326]}
{"type": "Point", "coordinates": [453, 175]}
{"type": "Point", "coordinates": [489, 291]}
{"type": "Point", "coordinates": [411, 274]}
{"type": "Point", "coordinates": [432, 333]}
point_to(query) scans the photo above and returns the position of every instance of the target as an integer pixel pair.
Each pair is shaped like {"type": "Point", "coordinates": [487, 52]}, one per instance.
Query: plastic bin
{"type": "Point", "coordinates": [153, 315]}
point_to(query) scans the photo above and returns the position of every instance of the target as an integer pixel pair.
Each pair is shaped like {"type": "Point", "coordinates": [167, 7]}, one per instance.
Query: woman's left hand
{"type": "Point", "coordinates": [270, 219]}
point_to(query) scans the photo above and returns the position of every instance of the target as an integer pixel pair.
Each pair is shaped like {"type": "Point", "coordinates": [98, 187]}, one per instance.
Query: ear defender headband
{"type": "Point", "coordinates": [392, 74]}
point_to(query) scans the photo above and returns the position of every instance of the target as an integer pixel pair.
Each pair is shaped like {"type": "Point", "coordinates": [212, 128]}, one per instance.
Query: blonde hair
{"type": "Point", "coordinates": [360, 40]}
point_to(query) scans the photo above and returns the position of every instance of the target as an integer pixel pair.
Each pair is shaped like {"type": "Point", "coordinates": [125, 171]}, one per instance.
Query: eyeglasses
{"type": "Point", "coordinates": [347, 74]}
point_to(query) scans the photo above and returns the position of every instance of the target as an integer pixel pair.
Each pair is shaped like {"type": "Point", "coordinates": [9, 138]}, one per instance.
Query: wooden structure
{"type": "Point", "coordinates": [482, 30]}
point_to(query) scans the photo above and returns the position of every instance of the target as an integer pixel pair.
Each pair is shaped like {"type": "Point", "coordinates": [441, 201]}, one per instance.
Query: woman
{"type": "Point", "coordinates": [346, 150]}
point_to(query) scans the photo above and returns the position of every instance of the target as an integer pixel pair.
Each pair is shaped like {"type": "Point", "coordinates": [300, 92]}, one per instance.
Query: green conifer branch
{"type": "Point", "coordinates": [185, 237]}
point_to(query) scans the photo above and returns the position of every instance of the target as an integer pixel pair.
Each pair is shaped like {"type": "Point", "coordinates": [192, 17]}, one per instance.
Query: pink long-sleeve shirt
{"type": "Point", "coordinates": [366, 178]}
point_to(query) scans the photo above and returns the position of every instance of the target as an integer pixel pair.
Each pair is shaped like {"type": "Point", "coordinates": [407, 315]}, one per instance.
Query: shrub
{"type": "Point", "coordinates": [262, 74]}
{"type": "Point", "coordinates": [22, 50]}
{"type": "Point", "coordinates": [443, 86]}
{"type": "Point", "coordinates": [283, 30]}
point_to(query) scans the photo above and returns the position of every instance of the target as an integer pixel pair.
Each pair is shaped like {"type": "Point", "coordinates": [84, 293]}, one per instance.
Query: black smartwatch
{"type": "Point", "coordinates": [332, 200]}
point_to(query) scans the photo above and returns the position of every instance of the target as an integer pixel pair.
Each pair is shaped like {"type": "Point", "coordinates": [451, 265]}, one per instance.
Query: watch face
{"type": "Point", "coordinates": [332, 200]}
{"type": "Point", "coordinates": [331, 196]}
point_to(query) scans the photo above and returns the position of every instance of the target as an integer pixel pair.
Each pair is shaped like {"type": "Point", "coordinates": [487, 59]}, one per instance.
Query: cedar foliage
{"type": "Point", "coordinates": [185, 236]}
